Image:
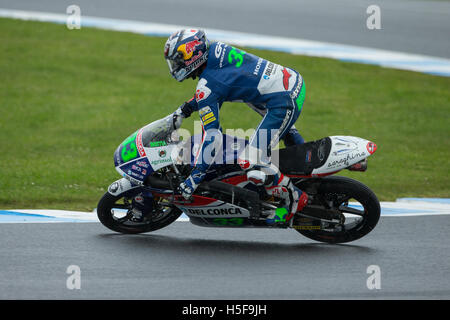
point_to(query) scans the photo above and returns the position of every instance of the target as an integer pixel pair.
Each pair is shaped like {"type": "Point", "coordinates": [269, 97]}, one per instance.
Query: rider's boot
{"type": "Point", "coordinates": [295, 200]}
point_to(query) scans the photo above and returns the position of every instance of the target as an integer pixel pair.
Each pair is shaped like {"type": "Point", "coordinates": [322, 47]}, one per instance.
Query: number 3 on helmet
{"type": "Point", "coordinates": [185, 52]}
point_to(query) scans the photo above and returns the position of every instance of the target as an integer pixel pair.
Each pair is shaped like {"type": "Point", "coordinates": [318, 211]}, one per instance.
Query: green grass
{"type": "Point", "coordinates": [69, 97]}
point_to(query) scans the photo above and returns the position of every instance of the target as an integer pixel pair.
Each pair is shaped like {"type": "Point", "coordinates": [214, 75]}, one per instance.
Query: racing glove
{"type": "Point", "coordinates": [177, 117]}
{"type": "Point", "coordinates": [183, 111]}
{"type": "Point", "coordinates": [188, 107]}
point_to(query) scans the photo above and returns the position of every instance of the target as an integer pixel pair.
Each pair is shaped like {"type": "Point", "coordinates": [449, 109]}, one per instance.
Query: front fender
{"type": "Point", "coordinates": [120, 186]}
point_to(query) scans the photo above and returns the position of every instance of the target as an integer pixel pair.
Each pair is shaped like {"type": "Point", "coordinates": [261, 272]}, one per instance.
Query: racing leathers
{"type": "Point", "coordinates": [275, 92]}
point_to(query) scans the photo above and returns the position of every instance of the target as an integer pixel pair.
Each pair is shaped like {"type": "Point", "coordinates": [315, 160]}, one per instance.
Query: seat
{"type": "Point", "coordinates": [303, 159]}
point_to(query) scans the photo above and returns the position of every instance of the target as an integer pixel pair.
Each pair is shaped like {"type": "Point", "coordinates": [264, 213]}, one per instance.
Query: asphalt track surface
{"type": "Point", "coordinates": [184, 261]}
{"type": "Point", "coordinates": [412, 26]}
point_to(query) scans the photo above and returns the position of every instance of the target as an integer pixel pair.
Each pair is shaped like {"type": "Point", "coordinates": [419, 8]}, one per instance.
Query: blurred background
{"type": "Point", "coordinates": [414, 26]}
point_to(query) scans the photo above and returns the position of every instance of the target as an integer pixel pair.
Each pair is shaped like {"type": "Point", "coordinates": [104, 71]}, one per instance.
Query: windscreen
{"type": "Point", "coordinates": [157, 132]}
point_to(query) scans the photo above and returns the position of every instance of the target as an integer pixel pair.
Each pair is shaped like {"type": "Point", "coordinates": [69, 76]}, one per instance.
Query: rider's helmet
{"type": "Point", "coordinates": [185, 52]}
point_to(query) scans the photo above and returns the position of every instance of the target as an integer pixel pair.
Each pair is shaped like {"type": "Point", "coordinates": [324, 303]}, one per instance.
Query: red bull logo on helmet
{"type": "Point", "coordinates": [188, 48]}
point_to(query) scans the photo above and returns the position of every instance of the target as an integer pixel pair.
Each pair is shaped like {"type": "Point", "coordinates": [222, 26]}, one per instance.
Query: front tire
{"type": "Point", "coordinates": [157, 219]}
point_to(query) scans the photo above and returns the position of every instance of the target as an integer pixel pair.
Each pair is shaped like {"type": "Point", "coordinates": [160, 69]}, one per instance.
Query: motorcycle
{"type": "Point", "coordinates": [154, 160]}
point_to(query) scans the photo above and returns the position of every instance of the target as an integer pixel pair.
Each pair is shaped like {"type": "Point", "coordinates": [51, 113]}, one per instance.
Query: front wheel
{"type": "Point", "coordinates": [133, 213]}
{"type": "Point", "coordinates": [341, 210]}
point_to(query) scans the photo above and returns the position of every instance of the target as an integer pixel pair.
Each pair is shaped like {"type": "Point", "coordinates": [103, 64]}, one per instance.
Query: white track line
{"type": "Point", "coordinates": [384, 58]}
{"type": "Point", "coordinates": [388, 209]}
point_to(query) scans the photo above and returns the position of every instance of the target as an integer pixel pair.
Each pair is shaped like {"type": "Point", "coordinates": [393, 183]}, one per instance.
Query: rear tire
{"type": "Point", "coordinates": [343, 187]}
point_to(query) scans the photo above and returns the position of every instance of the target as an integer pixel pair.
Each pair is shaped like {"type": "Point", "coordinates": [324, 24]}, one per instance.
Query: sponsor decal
{"type": "Point", "coordinates": [371, 147]}
{"type": "Point", "coordinates": [286, 76]}
{"type": "Point", "coordinates": [218, 49]}
{"type": "Point", "coordinates": [204, 111]}
{"type": "Point", "coordinates": [202, 91]}
{"type": "Point", "coordinates": [276, 78]}
{"type": "Point", "coordinates": [161, 161]}
{"type": "Point", "coordinates": [208, 118]}
{"type": "Point", "coordinates": [198, 176]}
{"type": "Point", "coordinates": [193, 59]}
{"type": "Point", "coordinates": [132, 171]}
{"type": "Point", "coordinates": [294, 94]}
{"type": "Point", "coordinates": [199, 95]}
{"type": "Point", "coordinates": [139, 144]}
{"type": "Point", "coordinates": [113, 188]}
{"type": "Point", "coordinates": [276, 137]}
{"type": "Point", "coordinates": [269, 69]}
{"type": "Point", "coordinates": [307, 227]}
{"type": "Point", "coordinates": [136, 168]}
{"type": "Point", "coordinates": [344, 151]}
{"type": "Point", "coordinates": [188, 48]}
{"type": "Point", "coordinates": [135, 175]}
{"type": "Point", "coordinates": [308, 156]}
{"type": "Point", "coordinates": [143, 164]}
{"type": "Point", "coordinates": [244, 164]}
{"type": "Point", "coordinates": [258, 66]}
{"type": "Point", "coordinates": [222, 57]}
{"type": "Point", "coordinates": [346, 160]}
{"type": "Point", "coordinates": [162, 153]}
{"type": "Point", "coordinates": [132, 180]}
{"type": "Point", "coordinates": [140, 169]}
{"type": "Point", "coordinates": [157, 144]}
{"type": "Point", "coordinates": [205, 212]}
{"type": "Point", "coordinates": [209, 121]}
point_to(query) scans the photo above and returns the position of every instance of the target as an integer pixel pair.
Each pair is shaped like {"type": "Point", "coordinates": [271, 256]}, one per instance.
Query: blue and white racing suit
{"type": "Point", "coordinates": [274, 91]}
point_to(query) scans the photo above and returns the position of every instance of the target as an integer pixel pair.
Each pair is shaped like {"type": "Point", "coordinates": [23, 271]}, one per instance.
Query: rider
{"type": "Point", "coordinates": [229, 74]}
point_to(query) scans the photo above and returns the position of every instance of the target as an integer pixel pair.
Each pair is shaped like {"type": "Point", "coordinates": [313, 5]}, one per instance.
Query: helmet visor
{"type": "Point", "coordinates": [173, 65]}
{"type": "Point", "coordinates": [176, 62]}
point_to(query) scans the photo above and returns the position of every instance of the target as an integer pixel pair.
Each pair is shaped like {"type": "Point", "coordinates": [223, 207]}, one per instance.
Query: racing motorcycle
{"type": "Point", "coordinates": [154, 161]}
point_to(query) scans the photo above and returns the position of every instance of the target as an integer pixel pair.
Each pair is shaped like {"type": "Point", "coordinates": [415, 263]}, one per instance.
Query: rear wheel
{"type": "Point", "coordinates": [125, 214]}
{"type": "Point", "coordinates": [341, 210]}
